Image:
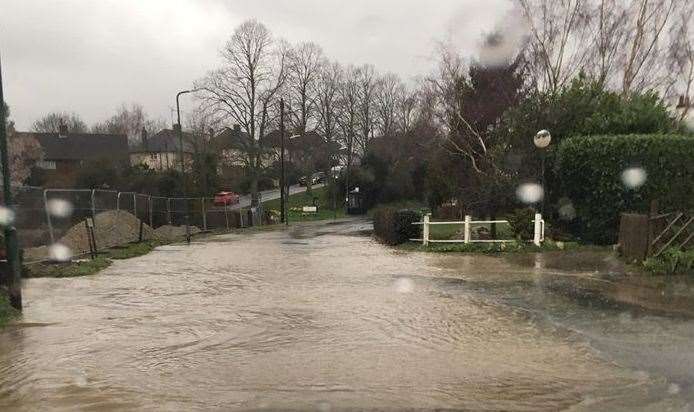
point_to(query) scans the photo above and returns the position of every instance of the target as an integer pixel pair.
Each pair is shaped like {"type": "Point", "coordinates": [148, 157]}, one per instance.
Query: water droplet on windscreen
{"type": "Point", "coordinates": [530, 193]}
{"type": "Point", "coordinates": [60, 252]}
{"type": "Point", "coordinates": [634, 177]}
{"type": "Point", "coordinates": [59, 208]}
{"type": "Point", "coordinates": [673, 389]}
{"type": "Point", "coordinates": [567, 211]}
{"type": "Point", "coordinates": [404, 285]}
{"type": "Point", "coordinates": [6, 216]}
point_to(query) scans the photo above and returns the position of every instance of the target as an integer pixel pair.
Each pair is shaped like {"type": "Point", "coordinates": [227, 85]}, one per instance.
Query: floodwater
{"type": "Point", "coordinates": [322, 317]}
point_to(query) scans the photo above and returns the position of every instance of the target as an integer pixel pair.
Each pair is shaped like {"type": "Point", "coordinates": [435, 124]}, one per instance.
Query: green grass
{"type": "Point", "coordinates": [296, 201]}
{"type": "Point", "coordinates": [67, 270]}
{"type": "Point", "coordinates": [486, 248]}
{"type": "Point", "coordinates": [7, 312]}
{"type": "Point", "coordinates": [132, 250]}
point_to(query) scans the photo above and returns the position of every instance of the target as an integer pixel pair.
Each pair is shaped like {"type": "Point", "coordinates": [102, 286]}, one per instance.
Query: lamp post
{"type": "Point", "coordinates": [283, 217]}
{"type": "Point", "coordinates": [542, 140]}
{"type": "Point", "coordinates": [11, 243]}
{"type": "Point", "coordinates": [180, 148]}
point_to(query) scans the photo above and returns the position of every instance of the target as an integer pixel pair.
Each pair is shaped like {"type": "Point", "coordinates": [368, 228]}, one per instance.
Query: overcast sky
{"type": "Point", "coordinates": [90, 56]}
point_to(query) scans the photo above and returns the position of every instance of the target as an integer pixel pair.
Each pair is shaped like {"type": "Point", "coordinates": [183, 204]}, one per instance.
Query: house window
{"type": "Point", "coordinates": [46, 164]}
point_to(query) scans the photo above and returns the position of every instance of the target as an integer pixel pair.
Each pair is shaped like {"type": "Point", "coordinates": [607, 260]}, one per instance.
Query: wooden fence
{"type": "Point", "coordinates": [642, 236]}
{"type": "Point", "coordinates": [468, 223]}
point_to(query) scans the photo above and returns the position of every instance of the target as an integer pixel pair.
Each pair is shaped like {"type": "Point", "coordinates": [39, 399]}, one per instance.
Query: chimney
{"type": "Point", "coordinates": [237, 128]}
{"type": "Point", "coordinates": [144, 138]}
{"type": "Point", "coordinates": [62, 129]}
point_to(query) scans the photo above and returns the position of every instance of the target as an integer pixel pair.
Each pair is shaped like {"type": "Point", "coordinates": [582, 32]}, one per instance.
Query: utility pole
{"type": "Point", "coordinates": [11, 242]}
{"type": "Point", "coordinates": [283, 215]}
{"type": "Point", "coordinates": [183, 174]}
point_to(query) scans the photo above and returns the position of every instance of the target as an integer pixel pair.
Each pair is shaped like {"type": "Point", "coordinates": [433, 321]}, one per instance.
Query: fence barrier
{"type": "Point", "coordinates": [468, 223]}
{"type": "Point", "coordinates": [46, 217]}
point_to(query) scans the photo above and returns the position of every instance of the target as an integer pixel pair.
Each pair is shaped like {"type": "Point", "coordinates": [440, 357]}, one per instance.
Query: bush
{"type": "Point", "coordinates": [671, 262]}
{"type": "Point", "coordinates": [590, 171]}
{"type": "Point", "coordinates": [393, 226]}
{"type": "Point", "coordinates": [521, 222]}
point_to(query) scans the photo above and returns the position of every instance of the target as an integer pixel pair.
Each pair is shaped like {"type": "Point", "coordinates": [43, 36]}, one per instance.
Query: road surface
{"type": "Point", "coordinates": [320, 317]}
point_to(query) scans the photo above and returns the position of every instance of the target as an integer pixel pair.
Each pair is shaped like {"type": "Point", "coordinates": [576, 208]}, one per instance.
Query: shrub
{"type": "Point", "coordinates": [521, 222]}
{"type": "Point", "coordinates": [590, 170]}
{"type": "Point", "coordinates": [671, 262]}
{"type": "Point", "coordinates": [393, 226]}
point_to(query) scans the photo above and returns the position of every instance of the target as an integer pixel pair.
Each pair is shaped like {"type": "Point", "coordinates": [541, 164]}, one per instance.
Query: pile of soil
{"type": "Point", "coordinates": [111, 228]}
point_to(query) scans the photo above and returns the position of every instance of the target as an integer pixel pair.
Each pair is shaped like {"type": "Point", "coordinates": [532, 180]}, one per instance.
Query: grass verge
{"type": "Point", "coordinates": [296, 201]}
{"type": "Point", "coordinates": [488, 248]}
{"type": "Point", "coordinates": [132, 250]}
{"type": "Point", "coordinates": [68, 269]}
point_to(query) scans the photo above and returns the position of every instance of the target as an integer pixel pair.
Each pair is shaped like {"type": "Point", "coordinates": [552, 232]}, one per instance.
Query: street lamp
{"type": "Point", "coordinates": [180, 148]}
{"type": "Point", "coordinates": [542, 140]}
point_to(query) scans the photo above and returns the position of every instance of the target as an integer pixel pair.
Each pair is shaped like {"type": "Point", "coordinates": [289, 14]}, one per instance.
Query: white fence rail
{"type": "Point", "coordinates": [468, 223]}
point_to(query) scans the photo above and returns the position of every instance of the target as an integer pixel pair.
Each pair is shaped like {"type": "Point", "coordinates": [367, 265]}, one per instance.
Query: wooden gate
{"type": "Point", "coordinates": [667, 230]}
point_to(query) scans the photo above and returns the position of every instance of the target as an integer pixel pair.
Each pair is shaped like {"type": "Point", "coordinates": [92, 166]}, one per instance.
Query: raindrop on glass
{"type": "Point", "coordinates": [60, 252]}
{"type": "Point", "coordinates": [59, 208]}
{"type": "Point", "coordinates": [530, 193]}
{"type": "Point", "coordinates": [567, 211]}
{"type": "Point", "coordinates": [404, 285]}
{"type": "Point", "coordinates": [6, 216]}
{"type": "Point", "coordinates": [634, 177]}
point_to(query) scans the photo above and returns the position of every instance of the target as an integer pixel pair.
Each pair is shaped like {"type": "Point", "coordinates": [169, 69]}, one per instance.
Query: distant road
{"type": "Point", "coordinates": [245, 201]}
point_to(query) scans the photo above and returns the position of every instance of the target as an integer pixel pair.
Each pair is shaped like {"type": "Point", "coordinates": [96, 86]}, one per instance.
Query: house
{"type": "Point", "coordinates": [65, 153]}
{"type": "Point", "coordinates": [233, 145]}
{"type": "Point", "coordinates": [163, 150]}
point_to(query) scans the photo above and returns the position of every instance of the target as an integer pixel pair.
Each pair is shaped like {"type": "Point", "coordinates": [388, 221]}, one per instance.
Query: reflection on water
{"type": "Point", "coordinates": [322, 317]}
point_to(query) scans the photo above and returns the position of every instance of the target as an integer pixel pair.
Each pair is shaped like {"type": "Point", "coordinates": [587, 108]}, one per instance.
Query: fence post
{"type": "Point", "coordinates": [204, 213]}
{"type": "Point", "coordinates": [151, 211]}
{"type": "Point", "coordinates": [48, 215]}
{"type": "Point", "coordinates": [538, 229]}
{"type": "Point", "coordinates": [466, 229]}
{"type": "Point", "coordinates": [93, 207]}
{"type": "Point", "coordinates": [425, 231]}
{"type": "Point", "coordinates": [226, 215]}
{"type": "Point", "coordinates": [168, 210]}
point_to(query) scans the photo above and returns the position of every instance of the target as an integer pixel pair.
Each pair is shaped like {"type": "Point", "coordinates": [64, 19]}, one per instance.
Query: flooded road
{"type": "Point", "coordinates": [322, 317]}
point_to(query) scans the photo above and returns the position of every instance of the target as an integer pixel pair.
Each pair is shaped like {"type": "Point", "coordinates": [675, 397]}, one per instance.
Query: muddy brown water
{"type": "Point", "coordinates": [322, 317]}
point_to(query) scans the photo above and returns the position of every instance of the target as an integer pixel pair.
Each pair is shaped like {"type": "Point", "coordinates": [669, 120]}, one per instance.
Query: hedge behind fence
{"type": "Point", "coordinates": [590, 170]}
{"type": "Point", "coordinates": [393, 226]}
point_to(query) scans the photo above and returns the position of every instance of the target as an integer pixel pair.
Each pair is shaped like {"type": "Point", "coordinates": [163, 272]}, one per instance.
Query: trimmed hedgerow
{"type": "Point", "coordinates": [393, 226]}
{"type": "Point", "coordinates": [590, 171]}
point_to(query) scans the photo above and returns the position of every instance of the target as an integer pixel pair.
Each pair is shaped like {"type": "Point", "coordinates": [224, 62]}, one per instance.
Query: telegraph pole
{"type": "Point", "coordinates": [11, 242]}
{"type": "Point", "coordinates": [283, 212]}
{"type": "Point", "coordinates": [183, 171]}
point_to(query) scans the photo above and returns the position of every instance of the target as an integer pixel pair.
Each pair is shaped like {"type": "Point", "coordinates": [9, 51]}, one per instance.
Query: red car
{"type": "Point", "coordinates": [226, 198]}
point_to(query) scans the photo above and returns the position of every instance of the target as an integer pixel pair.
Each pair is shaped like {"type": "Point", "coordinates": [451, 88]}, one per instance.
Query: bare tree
{"type": "Point", "coordinates": [558, 31]}
{"type": "Point", "coordinates": [681, 52]}
{"type": "Point", "coordinates": [244, 90]}
{"type": "Point", "coordinates": [366, 79]}
{"type": "Point", "coordinates": [609, 27]}
{"type": "Point", "coordinates": [643, 60]}
{"type": "Point", "coordinates": [130, 121]}
{"type": "Point", "coordinates": [304, 68]}
{"type": "Point", "coordinates": [50, 123]}
{"type": "Point", "coordinates": [327, 90]}
{"type": "Point", "coordinates": [389, 92]}
{"type": "Point", "coordinates": [407, 110]}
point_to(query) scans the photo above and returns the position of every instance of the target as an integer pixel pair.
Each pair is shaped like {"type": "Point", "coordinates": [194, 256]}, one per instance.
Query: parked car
{"type": "Point", "coordinates": [226, 198]}
{"type": "Point", "coordinates": [318, 177]}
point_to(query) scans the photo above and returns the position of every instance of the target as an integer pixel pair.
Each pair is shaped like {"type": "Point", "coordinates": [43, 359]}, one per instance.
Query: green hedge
{"type": "Point", "coordinates": [393, 226]}
{"type": "Point", "coordinates": [590, 171]}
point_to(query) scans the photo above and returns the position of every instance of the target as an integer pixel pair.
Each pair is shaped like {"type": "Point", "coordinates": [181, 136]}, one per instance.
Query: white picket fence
{"type": "Point", "coordinates": [538, 236]}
